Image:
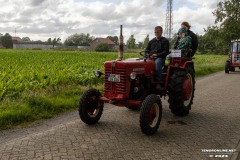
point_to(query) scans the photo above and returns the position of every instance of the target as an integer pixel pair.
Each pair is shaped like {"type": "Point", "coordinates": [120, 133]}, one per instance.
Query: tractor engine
{"type": "Point", "coordinates": [127, 79]}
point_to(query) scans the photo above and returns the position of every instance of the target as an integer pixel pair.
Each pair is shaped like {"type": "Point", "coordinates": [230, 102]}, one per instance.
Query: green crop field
{"type": "Point", "coordinates": [206, 64]}
{"type": "Point", "coordinates": [37, 84]}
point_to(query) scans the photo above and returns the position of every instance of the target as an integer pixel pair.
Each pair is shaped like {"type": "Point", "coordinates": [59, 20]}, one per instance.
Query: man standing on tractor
{"type": "Point", "coordinates": [159, 46]}
{"type": "Point", "coordinates": [194, 45]}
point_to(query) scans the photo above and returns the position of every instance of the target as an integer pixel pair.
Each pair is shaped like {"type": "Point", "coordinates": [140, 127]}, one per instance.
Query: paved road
{"type": "Point", "coordinates": [212, 125]}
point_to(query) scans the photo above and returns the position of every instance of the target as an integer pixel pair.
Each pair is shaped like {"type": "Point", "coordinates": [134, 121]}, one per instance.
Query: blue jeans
{"type": "Point", "coordinates": [159, 63]}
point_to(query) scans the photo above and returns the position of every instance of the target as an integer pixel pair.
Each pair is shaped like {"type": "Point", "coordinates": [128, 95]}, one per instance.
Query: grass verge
{"type": "Point", "coordinates": [207, 64]}
{"type": "Point", "coordinates": [45, 104]}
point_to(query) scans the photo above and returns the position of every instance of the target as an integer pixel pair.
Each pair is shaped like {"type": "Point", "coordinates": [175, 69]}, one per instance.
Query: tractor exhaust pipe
{"type": "Point", "coordinates": [120, 50]}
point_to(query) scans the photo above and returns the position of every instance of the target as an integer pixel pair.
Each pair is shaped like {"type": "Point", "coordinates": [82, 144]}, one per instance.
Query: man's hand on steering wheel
{"type": "Point", "coordinates": [145, 53]}
{"type": "Point", "coordinates": [154, 55]}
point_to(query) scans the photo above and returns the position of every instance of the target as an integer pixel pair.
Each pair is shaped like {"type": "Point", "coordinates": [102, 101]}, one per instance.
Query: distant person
{"type": "Point", "coordinates": [194, 45]}
{"type": "Point", "coordinates": [185, 42]}
{"type": "Point", "coordinates": [159, 46]}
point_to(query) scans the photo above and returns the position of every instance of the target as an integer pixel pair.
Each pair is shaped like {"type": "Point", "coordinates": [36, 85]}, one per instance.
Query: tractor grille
{"type": "Point", "coordinates": [115, 87]}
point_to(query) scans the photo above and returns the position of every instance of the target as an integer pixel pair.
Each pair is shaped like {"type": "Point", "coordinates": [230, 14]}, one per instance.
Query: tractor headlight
{"type": "Point", "coordinates": [97, 73]}
{"type": "Point", "coordinates": [133, 75]}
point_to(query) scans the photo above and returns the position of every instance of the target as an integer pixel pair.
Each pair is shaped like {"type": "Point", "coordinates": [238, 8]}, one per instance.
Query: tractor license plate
{"type": "Point", "coordinates": [114, 77]}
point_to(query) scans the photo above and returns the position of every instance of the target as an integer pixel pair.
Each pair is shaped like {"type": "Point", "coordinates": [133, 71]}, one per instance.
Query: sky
{"type": "Point", "coordinates": [43, 19]}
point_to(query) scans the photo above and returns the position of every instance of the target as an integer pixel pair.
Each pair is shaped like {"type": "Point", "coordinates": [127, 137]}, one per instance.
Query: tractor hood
{"type": "Point", "coordinates": [138, 65]}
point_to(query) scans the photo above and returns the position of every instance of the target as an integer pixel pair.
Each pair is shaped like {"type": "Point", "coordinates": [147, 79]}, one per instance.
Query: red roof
{"type": "Point", "coordinates": [104, 40]}
{"type": "Point", "coordinates": [16, 39]}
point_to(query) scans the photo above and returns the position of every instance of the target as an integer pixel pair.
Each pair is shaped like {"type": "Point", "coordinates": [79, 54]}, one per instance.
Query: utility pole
{"type": "Point", "coordinates": [169, 20]}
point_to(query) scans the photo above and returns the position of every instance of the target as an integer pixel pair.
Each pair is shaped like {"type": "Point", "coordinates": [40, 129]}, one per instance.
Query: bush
{"type": "Point", "coordinates": [102, 47]}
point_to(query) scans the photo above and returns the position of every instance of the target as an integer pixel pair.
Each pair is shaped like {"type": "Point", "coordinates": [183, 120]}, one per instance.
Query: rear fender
{"type": "Point", "coordinates": [172, 68]}
{"type": "Point", "coordinates": [187, 64]}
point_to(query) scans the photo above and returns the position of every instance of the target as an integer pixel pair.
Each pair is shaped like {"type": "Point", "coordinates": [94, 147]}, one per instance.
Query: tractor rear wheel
{"type": "Point", "coordinates": [181, 91]}
{"type": "Point", "coordinates": [90, 107]}
{"type": "Point", "coordinates": [150, 114]}
{"type": "Point", "coordinates": [227, 67]}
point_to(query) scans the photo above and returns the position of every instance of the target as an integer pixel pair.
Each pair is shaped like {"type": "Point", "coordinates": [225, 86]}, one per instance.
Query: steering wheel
{"type": "Point", "coordinates": [145, 53]}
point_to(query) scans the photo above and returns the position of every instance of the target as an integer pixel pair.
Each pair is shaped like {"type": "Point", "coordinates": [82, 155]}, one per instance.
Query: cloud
{"type": "Point", "coordinates": [37, 2]}
{"type": "Point", "coordinates": [198, 19]}
{"type": "Point", "coordinates": [50, 18]}
{"type": "Point", "coordinates": [206, 3]}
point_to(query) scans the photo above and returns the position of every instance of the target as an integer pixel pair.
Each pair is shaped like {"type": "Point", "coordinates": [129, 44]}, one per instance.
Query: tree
{"type": "Point", "coordinates": [140, 45]}
{"type": "Point", "coordinates": [113, 38]}
{"type": "Point", "coordinates": [26, 39]}
{"type": "Point", "coordinates": [59, 41]}
{"type": "Point", "coordinates": [49, 41]}
{"type": "Point", "coordinates": [79, 40]}
{"type": "Point", "coordinates": [6, 41]}
{"type": "Point", "coordinates": [228, 15]}
{"type": "Point", "coordinates": [102, 47]}
{"type": "Point", "coordinates": [226, 29]}
{"type": "Point", "coordinates": [227, 25]}
{"type": "Point", "coordinates": [146, 41]}
{"type": "Point", "coordinates": [206, 44]}
{"type": "Point", "coordinates": [131, 42]}
{"type": "Point", "coordinates": [56, 41]}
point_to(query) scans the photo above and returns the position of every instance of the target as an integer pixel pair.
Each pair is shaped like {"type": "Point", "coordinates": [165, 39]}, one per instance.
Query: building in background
{"type": "Point", "coordinates": [31, 45]}
{"type": "Point", "coordinates": [16, 40]}
{"type": "Point", "coordinates": [97, 41]}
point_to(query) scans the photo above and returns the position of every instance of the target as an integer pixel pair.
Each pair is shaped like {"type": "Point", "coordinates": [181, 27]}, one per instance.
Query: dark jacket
{"type": "Point", "coordinates": [194, 45]}
{"type": "Point", "coordinates": [160, 47]}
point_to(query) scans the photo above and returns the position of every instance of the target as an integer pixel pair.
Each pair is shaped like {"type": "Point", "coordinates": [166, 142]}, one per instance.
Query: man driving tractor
{"type": "Point", "coordinates": [159, 46]}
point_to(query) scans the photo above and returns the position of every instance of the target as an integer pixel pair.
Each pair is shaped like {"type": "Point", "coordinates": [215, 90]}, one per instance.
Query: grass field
{"type": "Point", "coordinates": [37, 84]}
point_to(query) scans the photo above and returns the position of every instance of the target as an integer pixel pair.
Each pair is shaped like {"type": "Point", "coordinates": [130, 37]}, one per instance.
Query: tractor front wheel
{"type": "Point", "coordinates": [181, 91]}
{"type": "Point", "coordinates": [227, 67]}
{"type": "Point", "coordinates": [150, 114]}
{"type": "Point", "coordinates": [90, 107]}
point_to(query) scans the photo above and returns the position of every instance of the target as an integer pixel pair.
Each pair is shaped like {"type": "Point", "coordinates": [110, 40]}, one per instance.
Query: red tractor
{"type": "Point", "coordinates": [234, 57]}
{"type": "Point", "coordinates": [131, 83]}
